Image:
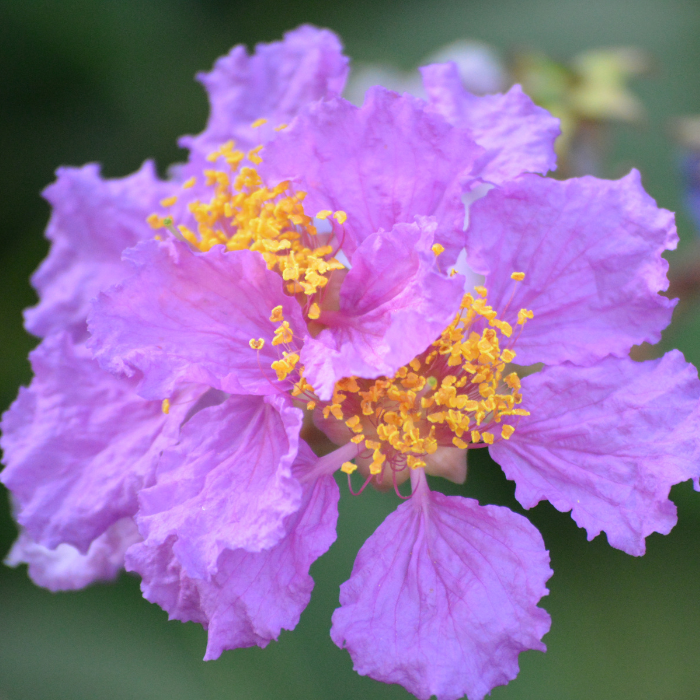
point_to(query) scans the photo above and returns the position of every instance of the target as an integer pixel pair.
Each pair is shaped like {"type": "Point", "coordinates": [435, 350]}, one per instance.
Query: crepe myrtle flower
{"type": "Point", "coordinates": [307, 263]}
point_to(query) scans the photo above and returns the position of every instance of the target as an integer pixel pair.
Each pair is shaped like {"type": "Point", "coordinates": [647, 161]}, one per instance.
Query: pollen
{"type": "Point", "coordinates": [341, 217]}
{"type": "Point", "coordinates": [189, 184]}
{"type": "Point", "coordinates": [257, 123]}
{"type": "Point", "coordinates": [517, 276]}
{"type": "Point", "coordinates": [314, 311]}
{"type": "Point", "coordinates": [168, 201]}
{"type": "Point", "coordinates": [165, 407]}
{"type": "Point", "coordinates": [256, 344]}
{"type": "Point", "coordinates": [244, 214]}
{"type": "Point", "coordinates": [348, 467]}
{"type": "Point", "coordinates": [454, 394]}
{"type": "Point", "coordinates": [437, 249]}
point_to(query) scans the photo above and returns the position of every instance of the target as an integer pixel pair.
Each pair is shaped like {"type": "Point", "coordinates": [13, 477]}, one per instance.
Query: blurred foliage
{"type": "Point", "coordinates": [111, 81]}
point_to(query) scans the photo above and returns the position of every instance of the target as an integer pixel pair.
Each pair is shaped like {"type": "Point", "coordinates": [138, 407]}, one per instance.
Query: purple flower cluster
{"type": "Point", "coordinates": [378, 270]}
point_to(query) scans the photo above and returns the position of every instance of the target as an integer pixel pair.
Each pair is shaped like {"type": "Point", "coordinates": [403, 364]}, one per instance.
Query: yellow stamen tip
{"type": "Point", "coordinates": [324, 214]}
{"type": "Point", "coordinates": [348, 467]}
{"type": "Point", "coordinates": [437, 249]}
{"type": "Point", "coordinates": [257, 123]}
{"type": "Point", "coordinates": [314, 312]}
{"type": "Point", "coordinates": [341, 217]}
{"type": "Point", "coordinates": [165, 407]}
{"type": "Point", "coordinates": [168, 201]}
{"type": "Point", "coordinates": [189, 183]}
{"type": "Point", "coordinates": [256, 344]}
{"type": "Point", "coordinates": [281, 127]}
{"type": "Point", "coordinates": [277, 315]}
{"type": "Point", "coordinates": [518, 276]}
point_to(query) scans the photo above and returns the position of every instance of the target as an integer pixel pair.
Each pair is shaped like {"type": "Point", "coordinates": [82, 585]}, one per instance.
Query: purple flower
{"type": "Point", "coordinates": [305, 260]}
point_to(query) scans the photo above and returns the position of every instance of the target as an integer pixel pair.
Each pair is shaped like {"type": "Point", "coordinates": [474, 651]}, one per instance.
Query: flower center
{"type": "Point", "coordinates": [457, 393]}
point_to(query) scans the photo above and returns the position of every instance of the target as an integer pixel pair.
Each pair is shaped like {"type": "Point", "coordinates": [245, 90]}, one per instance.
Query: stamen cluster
{"type": "Point", "coordinates": [244, 214]}
{"type": "Point", "coordinates": [455, 393]}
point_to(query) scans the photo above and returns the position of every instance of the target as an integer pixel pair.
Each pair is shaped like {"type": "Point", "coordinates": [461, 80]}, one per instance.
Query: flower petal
{"type": "Point", "coordinates": [227, 484]}
{"type": "Point", "coordinates": [607, 442]}
{"type": "Point", "coordinates": [591, 253]}
{"type": "Point", "coordinates": [518, 135]}
{"type": "Point", "coordinates": [274, 84]}
{"type": "Point", "coordinates": [443, 598]}
{"type": "Point", "coordinates": [253, 596]}
{"type": "Point", "coordinates": [188, 317]}
{"type": "Point", "coordinates": [65, 568]}
{"type": "Point", "coordinates": [383, 163]}
{"type": "Point", "coordinates": [92, 222]}
{"type": "Point", "coordinates": [393, 303]}
{"type": "Point", "coordinates": [79, 443]}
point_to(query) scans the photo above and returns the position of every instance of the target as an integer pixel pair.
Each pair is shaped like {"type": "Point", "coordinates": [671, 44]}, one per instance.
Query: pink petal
{"type": "Point", "coordinates": [188, 317]}
{"type": "Point", "coordinates": [443, 598]}
{"type": "Point", "coordinates": [607, 442]}
{"type": "Point", "coordinates": [591, 253]}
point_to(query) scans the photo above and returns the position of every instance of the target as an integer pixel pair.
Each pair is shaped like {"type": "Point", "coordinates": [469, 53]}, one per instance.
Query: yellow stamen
{"type": "Point", "coordinates": [165, 407]}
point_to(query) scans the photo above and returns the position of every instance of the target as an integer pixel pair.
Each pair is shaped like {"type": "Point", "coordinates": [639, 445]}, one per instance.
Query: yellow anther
{"type": "Point", "coordinates": [523, 315]}
{"type": "Point", "coordinates": [281, 127]}
{"type": "Point", "coordinates": [481, 291]}
{"type": "Point", "coordinates": [487, 438]}
{"type": "Point", "coordinates": [168, 201]}
{"type": "Point", "coordinates": [286, 365]}
{"type": "Point", "coordinates": [341, 217]}
{"type": "Point", "coordinates": [254, 155]}
{"type": "Point", "coordinates": [353, 422]}
{"type": "Point", "coordinates": [378, 459]}
{"type": "Point", "coordinates": [257, 123]}
{"type": "Point", "coordinates": [283, 334]}
{"type": "Point", "coordinates": [348, 467]}
{"type": "Point", "coordinates": [437, 249]}
{"type": "Point", "coordinates": [189, 184]}
{"type": "Point", "coordinates": [459, 443]}
{"type": "Point", "coordinates": [517, 276]}
{"type": "Point", "coordinates": [414, 462]}
{"type": "Point", "coordinates": [512, 381]}
{"type": "Point", "coordinates": [165, 406]}
{"type": "Point", "coordinates": [507, 356]}
{"type": "Point", "coordinates": [357, 439]}
{"type": "Point", "coordinates": [324, 214]}
{"type": "Point", "coordinates": [277, 315]}
{"type": "Point", "coordinates": [314, 312]}
{"type": "Point", "coordinates": [507, 431]}
{"type": "Point", "coordinates": [256, 344]}
{"type": "Point", "coordinates": [337, 411]}
{"type": "Point", "coordinates": [476, 436]}
{"type": "Point", "coordinates": [373, 444]}
{"type": "Point", "coordinates": [155, 221]}
{"type": "Point", "coordinates": [311, 405]}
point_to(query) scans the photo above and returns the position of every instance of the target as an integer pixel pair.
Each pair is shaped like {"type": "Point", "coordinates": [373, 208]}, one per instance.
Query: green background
{"type": "Point", "coordinates": [111, 81]}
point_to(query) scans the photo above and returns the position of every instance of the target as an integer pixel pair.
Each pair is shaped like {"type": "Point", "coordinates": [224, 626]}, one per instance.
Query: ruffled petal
{"type": "Point", "coordinates": [253, 596]}
{"type": "Point", "coordinates": [227, 485]}
{"type": "Point", "coordinates": [92, 222]}
{"type": "Point", "coordinates": [274, 84]}
{"type": "Point", "coordinates": [65, 568]}
{"type": "Point", "coordinates": [607, 442]}
{"type": "Point", "coordinates": [189, 317]}
{"type": "Point", "coordinates": [393, 303]}
{"type": "Point", "coordinates": [591, 253]}
{"type": "Point", "coordinates": [79, 443]}
{"type": "Point", "coordinates": [383, 163]}
{"type": "Point", "coordinates": [443, 598]}
{"type": "Point", "coordinates": [518, 136]}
